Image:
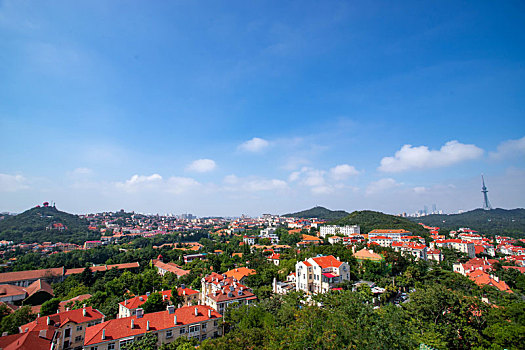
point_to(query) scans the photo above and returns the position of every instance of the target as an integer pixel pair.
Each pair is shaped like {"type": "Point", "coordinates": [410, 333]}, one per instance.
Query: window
{"type": "Point", "coordinates": [215, 323]}
{"type": "Point", "coordinates": [195, 328]}
{"type": "Point", "coordinates": [204, 326]}
{"type": "Point", "coordinates": [78, 338]}
{"type": "Point", "coordinates": [111, 346]}
{"type": "Point", "coordinates": [182, 330]}
{"type": "Point", "coordinates": [93, 348]}
{"type": "Point", "coordinates": [67, 333]}
{"type": "Point", "coordinates": [215, 334]}
{"type": "Point", "coordinates": [124, 342]}
{"type": "Point", "coordinates": [169, 333]}
{"type": "Point", "coordinates": [79, 328]}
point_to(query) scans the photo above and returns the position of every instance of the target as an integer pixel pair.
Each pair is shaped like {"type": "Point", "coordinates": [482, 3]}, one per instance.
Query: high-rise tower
{"type": "Point", "coordinates": [486, 203]}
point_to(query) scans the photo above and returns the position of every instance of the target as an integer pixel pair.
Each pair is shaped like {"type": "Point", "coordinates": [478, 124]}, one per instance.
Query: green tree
{"type": "Point", "coordinates": [154, 303]}
{"type": "Point", "coordinates": [147, 342]}
{"type": "Point", "coordinates": [50, 307]}
{"type": "Point", "coordinates": [10, 323]}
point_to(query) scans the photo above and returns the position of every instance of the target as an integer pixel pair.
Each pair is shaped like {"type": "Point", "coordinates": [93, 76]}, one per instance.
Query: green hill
{"type": "Point", "coordinates": [30, 226]}
{"type": "Point", "coordinates": [320, 213]}
{"type": "Point", "coordinates": [496, 221]}
{"type": "Point", "coordinates": [370, 220]}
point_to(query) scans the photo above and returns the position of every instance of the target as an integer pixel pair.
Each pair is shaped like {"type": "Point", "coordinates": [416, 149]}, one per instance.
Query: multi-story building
{"type": "Point", "coordinates": [339, 230]}
{"type": "Point", "coordinates": [383, 241]}
{"type": "Point", "coordinates": [394, 234]}
{"type": "Point", "coordinates": [320, 274]}
{"type": "Point", "coordinates": [434, 254]}
{"type": "Point", "coordinates": [219, 291]}
{"type": "Point", "coordinates": [199, 322]}
{"type": "Point", "coordinates": [129, 307]}
{"type": "Point", "coordinates": [249, 240]}
{"type": "Point", "coordinates": [456, 244]}
{"type": "Point", "coordinates": [69, 326]}
{"type": "Point", "coordinates": [419, 251]}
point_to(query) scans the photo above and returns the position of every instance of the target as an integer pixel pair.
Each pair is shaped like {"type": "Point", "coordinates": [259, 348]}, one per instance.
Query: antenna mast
{"type": "Point", "coordinates": [486, 203]}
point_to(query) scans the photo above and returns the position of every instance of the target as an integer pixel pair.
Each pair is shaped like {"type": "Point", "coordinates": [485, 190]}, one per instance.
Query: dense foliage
{"type": "Point", "coordinates": [319, 213]}
{"type": "Point", "coordinates": [496, 221]}
{"type": "Point", "coordinates": [30, 226]}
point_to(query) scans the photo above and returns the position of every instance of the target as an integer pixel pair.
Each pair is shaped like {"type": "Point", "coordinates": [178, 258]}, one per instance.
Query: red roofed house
{"type": "Point", "coordinates": [219, 291]}
{"type": "Point", "coordinates": [383, 241]}
{"type": "Point", "coordinates": [319, 274]}
{"type": "Point", "coordinates": [162, 268]}
{"type": "Point", "coordinates": [394, 234]}
{"type": "Point", "coordinates": [456, 244]}
{"type": "Point", "coordinates": [418, 250]}
{"type": "Point", "coordinates": [129, 307]}
{"type": "Point", "coordinates": [484, 279]}
{"type": "Point", "coordinates": [434, 254]}
{"type": "Point", "coordinates": [478, 264]}
{"type": "Point", "coordinates": [239, 274]}
{"type": "Point", "coordinates": [69, 326]}
{"type": "Point", "coordinates": [199, 322]}
{"type": "Point", "coordinates": [275, 259]}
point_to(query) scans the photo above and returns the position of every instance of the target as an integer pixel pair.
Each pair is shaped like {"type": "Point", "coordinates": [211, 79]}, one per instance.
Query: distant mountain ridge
{"type": "Point", "coordinates": [30, 226]}
{"type": "Point", "coordinates": [320, 213]}
{"type": "Point", "coordinates": [369, 220]}
{"type": "Point", "coordinates": [495, 221]}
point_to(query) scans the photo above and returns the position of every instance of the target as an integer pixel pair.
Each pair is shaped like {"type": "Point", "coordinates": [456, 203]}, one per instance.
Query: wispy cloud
{"type": "Point", "coordinates": [202, 165]}
{"type": "Point", "coordinates": [381, 186]}
{"type": "Point", "coordinates": [254, 145]}
{"type": "Point", "coordinates": [252, 184]}
{"type": "Point", "coordinates": [409, 157]}
{"type": "Point", "coordinates": [12, 183]}
{"type": "Point", "coordinates": [343, 171]}
{"type": "Point", "coordinates": [509, 149]}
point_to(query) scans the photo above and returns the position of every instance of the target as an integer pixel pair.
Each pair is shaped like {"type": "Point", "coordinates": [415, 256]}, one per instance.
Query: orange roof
{"type": "Point", "coordinates": [171, 267]}
{"type": "Point", "coordinates": [365, 254]}
{"type": "Point", "coordinates": [240, 273]}
{"type": "Point", "coordinates": [311, 238]}
{"type": "Point", "coordinates": [102, 268]}
{"type": "Point", "coordinates": [121, 327]}
{"type": "Point", "coordinates": [39, 286]}
{"type": "Point", "coordinates": [62, 304]}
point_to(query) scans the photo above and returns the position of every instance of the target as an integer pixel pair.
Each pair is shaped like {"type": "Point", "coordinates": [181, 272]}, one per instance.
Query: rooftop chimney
{"type": "Point", "coordinates": [196, 312]}
{"type": "Point", "coordinates": [103, 334]}
{"type": "Point", "coordinates": [175, 319]}
{"type": "Point", "coordinates": [48, 321]}
{"type": "Point", "coordinates": [84, 313]}
{"type": "Point", "coordinates": [147, 326]}
{"type": "Point", "coordinates": [132, 323]}
{"type": "Point", "coordinates": [209, 313]}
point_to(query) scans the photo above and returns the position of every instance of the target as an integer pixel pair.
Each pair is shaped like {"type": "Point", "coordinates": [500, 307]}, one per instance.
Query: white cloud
{"type": "Point", "coordinates": [509, 148]}
{"type": "Point", "coordinates": [420, 189]}
{"type": "Point", "coordinates": [12, 183]}
{"type": "Point", "coordinates": [343, 171]}
{"type": "Point", "coordinates": [308, 177]}
{"type": "Point", "coordinates": [421, 157]}
{"type": "Point", "coordinates": [319, 190]}
{"type": "Point", "coordinates": [139, 181]}
{"type": "Point", "coordinates": [202, 165]}
{"type": "Point", "coordinates": [254, 145]}
{"type": "Point", "coordinates": [381, 186]}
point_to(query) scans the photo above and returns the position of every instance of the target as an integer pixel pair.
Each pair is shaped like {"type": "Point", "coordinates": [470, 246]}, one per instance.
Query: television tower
{"type": "Point", "coordinates": [486, 203]}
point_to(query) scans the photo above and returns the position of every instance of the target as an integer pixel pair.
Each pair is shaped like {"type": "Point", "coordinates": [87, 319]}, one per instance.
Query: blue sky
{"type": "Point", "coordinates": [223, 108]}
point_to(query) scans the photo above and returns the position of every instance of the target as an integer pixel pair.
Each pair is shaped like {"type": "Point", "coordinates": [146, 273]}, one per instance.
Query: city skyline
{"type": "Point", "coordinates": [261, 107]}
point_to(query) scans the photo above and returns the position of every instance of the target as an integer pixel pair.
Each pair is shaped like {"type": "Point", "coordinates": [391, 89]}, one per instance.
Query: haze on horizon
{"type": "Point", "coordinates": [261, 107]}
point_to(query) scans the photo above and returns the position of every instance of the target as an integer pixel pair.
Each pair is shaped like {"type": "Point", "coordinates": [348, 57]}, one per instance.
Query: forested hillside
{"type": "Point", "coordinates": [496, 221]}
{"type": "Point", "coordinates": [30, 226]}
{"type": "Point", "coordinates": [320, 213]}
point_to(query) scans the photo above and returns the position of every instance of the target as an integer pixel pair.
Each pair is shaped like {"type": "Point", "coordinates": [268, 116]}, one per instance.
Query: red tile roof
{"type": "Point", "coordinates": [481, 278]}
{"type": "Point", "coordinates": [7, 277]}
{"type": "Point", "coordinates": [103, 268]}
{"type": "Point", "coordinates": [28, 341]}
{"type": "Point", "coordinates": [327, 261]}
{"type": "Point", "coordinates": [121, 328]}
{"type": "Point", "coordinates": [57, 320]}
{"type": "Point", "coordinates": [171, 267]}
{"type": "Point", "coordinates": [240, 273]}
